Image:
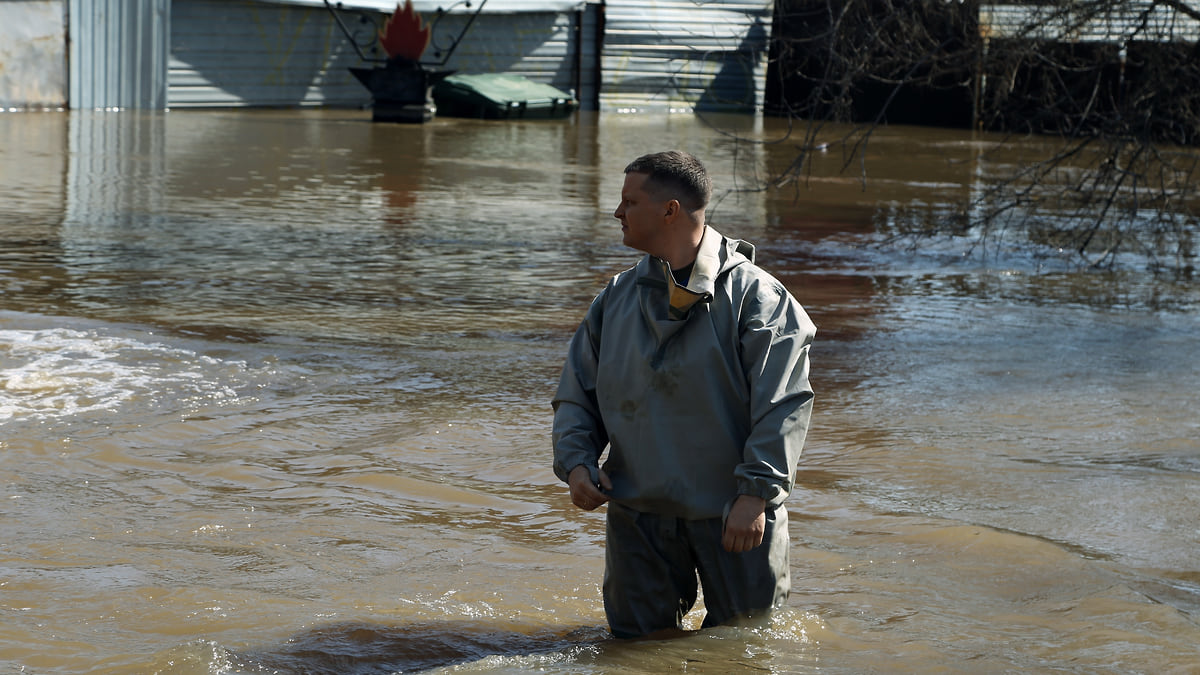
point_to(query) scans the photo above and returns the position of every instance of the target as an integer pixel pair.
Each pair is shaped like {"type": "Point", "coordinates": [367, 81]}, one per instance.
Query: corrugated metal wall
{"type": "Point", "coordinates": [248, 53]}
{"type": "Point", "coordinates": [655, 54]}
{"type": "Point", "coordinates": [117, 54]}
{"type": "Point", "coordinates": [245, 53]}
{"type": "Point", "coordinates": [684, 54]}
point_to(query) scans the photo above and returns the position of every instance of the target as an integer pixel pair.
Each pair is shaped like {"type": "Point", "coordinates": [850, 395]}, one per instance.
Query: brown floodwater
{"type": "Point", "coordinates": [274, 397]}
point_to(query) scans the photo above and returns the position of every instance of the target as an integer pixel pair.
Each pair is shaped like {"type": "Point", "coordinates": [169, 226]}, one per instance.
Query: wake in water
{"type": "Point", "coordinates": [56, 372]}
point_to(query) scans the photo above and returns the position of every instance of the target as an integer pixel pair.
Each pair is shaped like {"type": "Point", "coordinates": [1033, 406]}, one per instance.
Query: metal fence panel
{"type": "Point", "coordinates": [679, 54]}
{"type": "Point", "coordinates": [117, 54]}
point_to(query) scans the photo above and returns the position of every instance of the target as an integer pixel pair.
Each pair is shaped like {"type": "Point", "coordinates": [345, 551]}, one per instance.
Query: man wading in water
{"type": "Point", "coordinates": [692, 368]}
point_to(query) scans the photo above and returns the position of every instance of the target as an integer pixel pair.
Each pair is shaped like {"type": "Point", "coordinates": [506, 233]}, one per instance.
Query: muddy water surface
{"type": "Point", "coordinates": [274, 397]}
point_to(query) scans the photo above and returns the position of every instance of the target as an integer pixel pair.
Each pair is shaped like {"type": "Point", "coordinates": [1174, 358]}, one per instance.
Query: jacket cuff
{"type": "Point", "coordinates": [773, 494]}
{"type": "Point", "coordinates": [564, 472]}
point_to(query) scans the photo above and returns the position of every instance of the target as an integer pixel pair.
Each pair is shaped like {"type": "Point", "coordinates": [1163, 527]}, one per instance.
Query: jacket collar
{"type": "Point", "coordinates": [715, 255]}
{"type": "Point", "coordinates": [708, 263]}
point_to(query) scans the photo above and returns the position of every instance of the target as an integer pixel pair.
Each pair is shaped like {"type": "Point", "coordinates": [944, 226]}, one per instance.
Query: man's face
{"type": "Point", "coordinates": [642, 216]}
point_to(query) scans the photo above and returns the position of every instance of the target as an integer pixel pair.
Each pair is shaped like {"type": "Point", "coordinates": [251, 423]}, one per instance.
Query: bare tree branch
{"type": "Point", "coordinates": [1117, 83]}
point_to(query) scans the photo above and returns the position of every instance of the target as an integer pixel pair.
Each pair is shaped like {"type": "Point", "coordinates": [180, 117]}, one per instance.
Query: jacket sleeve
{"type": "Point", "coordinates": [579, 435]}
{"type": "Point", "coordinates": [776, 334]}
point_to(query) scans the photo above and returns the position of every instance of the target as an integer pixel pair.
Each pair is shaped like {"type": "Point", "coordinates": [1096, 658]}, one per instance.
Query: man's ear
{"type": "Point", "coordinates": [672, 209]}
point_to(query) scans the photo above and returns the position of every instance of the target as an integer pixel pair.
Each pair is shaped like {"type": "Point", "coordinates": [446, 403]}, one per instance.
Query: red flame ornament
{"type": "Point", "coordinates": [404, 35]}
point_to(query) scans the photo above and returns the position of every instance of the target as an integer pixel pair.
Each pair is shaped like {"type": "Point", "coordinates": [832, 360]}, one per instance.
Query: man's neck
{"type": "Point", "coordinates": [684, 253]}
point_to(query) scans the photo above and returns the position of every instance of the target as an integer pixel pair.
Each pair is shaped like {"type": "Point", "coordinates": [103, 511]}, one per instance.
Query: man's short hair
{"type": "Point", "coordinates": [674, 175]}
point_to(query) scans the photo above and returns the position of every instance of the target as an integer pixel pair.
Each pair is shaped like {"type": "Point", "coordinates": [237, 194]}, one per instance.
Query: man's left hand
{"type": "Point", "coordinates": [745, 525]}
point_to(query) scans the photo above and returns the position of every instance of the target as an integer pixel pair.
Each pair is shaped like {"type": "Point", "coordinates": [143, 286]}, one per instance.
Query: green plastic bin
{"type": "Point", "coordinates": [497, 96]}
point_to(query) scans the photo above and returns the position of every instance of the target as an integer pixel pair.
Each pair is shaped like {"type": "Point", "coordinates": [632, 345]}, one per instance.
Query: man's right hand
{"type": "Point", "coordinates": [584, 493]}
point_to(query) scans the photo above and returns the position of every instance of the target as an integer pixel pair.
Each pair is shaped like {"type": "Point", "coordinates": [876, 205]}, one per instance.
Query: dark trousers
{"type": "Point", "coordinates": [651, 563]}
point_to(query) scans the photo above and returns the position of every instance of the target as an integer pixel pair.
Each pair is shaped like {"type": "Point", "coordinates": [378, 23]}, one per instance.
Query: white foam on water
{"type": "Point", "coordinates": [57, 372]}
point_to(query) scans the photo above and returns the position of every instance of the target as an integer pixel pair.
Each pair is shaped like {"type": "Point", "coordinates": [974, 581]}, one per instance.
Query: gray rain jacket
{"type": "Point", "coordinates": [698, 404]}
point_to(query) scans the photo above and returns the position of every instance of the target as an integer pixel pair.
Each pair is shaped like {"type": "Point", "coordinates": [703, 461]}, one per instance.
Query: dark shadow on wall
{"type": "Point", "coordinates": [733, 87]}
{"type": "Point", "coordinates": [253, 53]}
